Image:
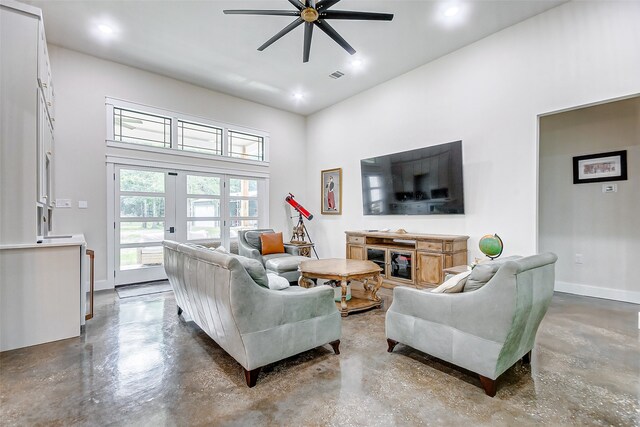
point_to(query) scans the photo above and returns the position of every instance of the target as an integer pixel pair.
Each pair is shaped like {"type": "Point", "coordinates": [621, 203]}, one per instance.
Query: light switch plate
{"type": "Point", "coordinates": [63, 203]}
{"type": "Point", "coordinates": [82, 204]}
{"type": "Point", "coordinates": [609, 188]}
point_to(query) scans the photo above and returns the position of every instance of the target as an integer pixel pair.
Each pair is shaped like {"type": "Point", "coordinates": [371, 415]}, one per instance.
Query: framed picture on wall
{"type": "Point", "coordinates": [600, 167]}
{"type": "Point", "coordinates": [331, 181]}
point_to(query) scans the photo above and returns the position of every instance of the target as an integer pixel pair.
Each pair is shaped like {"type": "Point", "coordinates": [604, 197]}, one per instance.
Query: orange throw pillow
{"type": "Point", "coordinates": [272, 243]}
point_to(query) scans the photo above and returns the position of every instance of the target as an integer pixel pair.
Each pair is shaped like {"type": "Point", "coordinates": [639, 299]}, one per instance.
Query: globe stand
{"type": "Point", "coordinates": [492, 257]}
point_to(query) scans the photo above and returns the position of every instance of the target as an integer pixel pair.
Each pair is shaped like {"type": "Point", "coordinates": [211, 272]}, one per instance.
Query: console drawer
{"type": "Point", "coordinates": [427, 245]}
{"type": "Point", "coordinates": [357, 240]}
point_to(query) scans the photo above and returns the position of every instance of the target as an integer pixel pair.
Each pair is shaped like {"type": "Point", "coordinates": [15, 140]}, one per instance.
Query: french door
{"type": "Point", "coordinates": [156, 204]}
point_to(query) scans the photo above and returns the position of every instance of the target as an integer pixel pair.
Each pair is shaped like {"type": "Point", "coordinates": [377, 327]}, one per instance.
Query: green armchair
{"type": "Point", "coordinates": [485, 331]}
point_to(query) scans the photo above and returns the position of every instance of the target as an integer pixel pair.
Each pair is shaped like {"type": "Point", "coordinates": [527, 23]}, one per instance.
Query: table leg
{"type": "Point", "coordinates": [343, 300]}
{"type": "Point", "coordinates": [374, 292]}
{"type": "Point", "coordinates": [305, 282]}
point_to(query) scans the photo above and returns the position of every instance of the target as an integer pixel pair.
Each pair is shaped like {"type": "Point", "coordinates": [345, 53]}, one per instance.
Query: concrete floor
{"type": "Point", "coordinates": [139, 364]}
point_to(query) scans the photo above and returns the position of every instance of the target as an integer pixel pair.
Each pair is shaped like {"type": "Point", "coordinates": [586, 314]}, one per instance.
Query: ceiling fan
{"type": "Point", "coordinates": [313, 13]}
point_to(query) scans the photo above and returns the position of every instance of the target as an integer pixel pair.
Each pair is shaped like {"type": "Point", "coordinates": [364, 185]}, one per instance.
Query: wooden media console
{"type": "Point", "coordinates": [411, 259]}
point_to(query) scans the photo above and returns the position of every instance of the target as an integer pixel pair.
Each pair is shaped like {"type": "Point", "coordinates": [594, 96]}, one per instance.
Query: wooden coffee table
{"type": "Point", "coordinates": [345, 270]}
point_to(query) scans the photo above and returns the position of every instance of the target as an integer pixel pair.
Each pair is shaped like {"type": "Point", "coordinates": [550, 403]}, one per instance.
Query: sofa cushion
{"type": "Point", "coordinates": [277, 282]}
{"type": "Point", "coordinates": [453, 285]}
{"type": "Point", "coordinates": [253, 238]}
{"type": "Point", "coordinates": [283, 263]}
{"type": "Point", "coordinates": [271, 243]}
{"type": "Point", "coordinates": [484, 272]}
{"type": "Point", "coordinates": [255, 269]}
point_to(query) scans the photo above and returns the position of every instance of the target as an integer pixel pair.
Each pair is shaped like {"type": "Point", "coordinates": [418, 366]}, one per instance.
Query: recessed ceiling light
{"type": "Point", "coordinates": [356, 63]}
{"type": "Point", "coordinates": [297, 96]}
{"type": "Point", "coordinates": [105, 29]}
{"type": "Point", "coordinates": [451, 11]}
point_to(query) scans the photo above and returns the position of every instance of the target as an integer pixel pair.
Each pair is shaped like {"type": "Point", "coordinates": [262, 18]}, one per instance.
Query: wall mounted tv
{"type": "Point", "coordinates": [426, 181]}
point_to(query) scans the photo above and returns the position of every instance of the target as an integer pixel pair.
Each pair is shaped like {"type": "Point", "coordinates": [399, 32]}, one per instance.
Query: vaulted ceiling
{"type": "Point", "coordinates": [195, 42]}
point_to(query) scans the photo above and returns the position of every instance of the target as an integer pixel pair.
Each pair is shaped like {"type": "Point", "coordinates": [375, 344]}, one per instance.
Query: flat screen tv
{"type": "Point", "coordinates": [426, 181]}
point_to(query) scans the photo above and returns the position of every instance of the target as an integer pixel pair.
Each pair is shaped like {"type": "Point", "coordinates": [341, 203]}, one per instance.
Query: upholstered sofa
{"type": "Point", "coordinates": [253, 324]}
{"type": "Point", "coordinates": [485, 331]}
{"type": "Point", "coordinates": [284, 264]}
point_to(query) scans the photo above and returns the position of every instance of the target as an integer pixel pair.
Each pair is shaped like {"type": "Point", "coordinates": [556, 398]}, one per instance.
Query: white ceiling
{"type": "Point", "coordinates": [195, 42]}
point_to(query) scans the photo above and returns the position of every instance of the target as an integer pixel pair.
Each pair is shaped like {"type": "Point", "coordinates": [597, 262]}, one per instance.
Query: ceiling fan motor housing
{"type": "Point", "coordinates": [309, 14]}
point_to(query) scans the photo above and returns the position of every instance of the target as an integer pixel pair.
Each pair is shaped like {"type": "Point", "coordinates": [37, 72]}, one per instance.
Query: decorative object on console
{"type": "Point", "coordinates": [611, 166]}
{"type": "Point", "coordinates": [331, 190]}
{"type": "Point", "coordinates": [299, 231]}
{"type": "Point", "coordinates": [491, 246]}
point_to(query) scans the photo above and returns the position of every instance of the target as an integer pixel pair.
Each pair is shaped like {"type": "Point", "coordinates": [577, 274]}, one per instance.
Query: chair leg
{"type": "Point", "coordinates": [392, 344]}
{"type": "Point", "coordinates": [179, 311]}
{"type": "Point", "coordinates": [251, 376]}
{"type": "Point", "coordinates": [335, 344]}
{"type": "Point", "coordinates": [490, 386]}
{"type": "Point", "coordinates": [526, 359]}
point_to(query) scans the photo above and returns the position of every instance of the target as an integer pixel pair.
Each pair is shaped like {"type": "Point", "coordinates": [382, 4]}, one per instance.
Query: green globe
{"type": "Point", "coordinates": [491, 246]}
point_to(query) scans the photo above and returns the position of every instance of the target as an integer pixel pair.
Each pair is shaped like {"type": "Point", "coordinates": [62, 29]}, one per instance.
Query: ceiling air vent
{"type": "Point", "coordinates": [336, 74]}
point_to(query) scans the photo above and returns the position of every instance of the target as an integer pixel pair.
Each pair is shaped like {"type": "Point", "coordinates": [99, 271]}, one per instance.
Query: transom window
{"type": "Point", "coordinates": [199, 138]}
{"type": "Point", "coordinates": [184, 135]}
{"type": "Point", "coordinates": [245, 146]}
{"type": "Point", "coordinates": [141, 128]}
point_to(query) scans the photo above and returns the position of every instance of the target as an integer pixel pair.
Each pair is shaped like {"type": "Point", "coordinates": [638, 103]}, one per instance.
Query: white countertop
{"type": "Point", "coordinates": [49, 241]}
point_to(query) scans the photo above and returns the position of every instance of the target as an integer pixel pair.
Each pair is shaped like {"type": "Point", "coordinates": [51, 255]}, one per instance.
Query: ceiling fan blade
{"type": "Point", "coordinates": [328, 29]}
{"type": "Point", "coordinates": [282, 32]}
{"type": "Point", "coordinates": [297, 4]}
{"type": "Point", "coordinates": [308, 32]}
{"type": "Point", "coordinates": [311, 3]}
{"type": "Point", "coordinates": [263, 12]}
{"type": "Point", "coordinates": [364, 16]}
{"type": "Point", "coordinates": [325, 4]}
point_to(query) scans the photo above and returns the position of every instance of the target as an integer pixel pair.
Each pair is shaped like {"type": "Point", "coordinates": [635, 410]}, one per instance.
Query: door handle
{"type": "Point", "coordinates": [92, 257]}
{"type": "Point", "coordinates": [171, 230]}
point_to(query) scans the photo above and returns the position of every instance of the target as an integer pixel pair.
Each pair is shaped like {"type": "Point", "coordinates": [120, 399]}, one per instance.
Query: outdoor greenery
{"type": "Point", "coordinates": [207, 185]}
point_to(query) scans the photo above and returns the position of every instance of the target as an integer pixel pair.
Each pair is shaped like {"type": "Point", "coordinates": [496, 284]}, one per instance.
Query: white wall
{"type": "Point", "coordinates": [81, 84]}
{"type": "Point", "coordinates": [580, 218]}
{"type": "Point", "coordinates": [489, 95]}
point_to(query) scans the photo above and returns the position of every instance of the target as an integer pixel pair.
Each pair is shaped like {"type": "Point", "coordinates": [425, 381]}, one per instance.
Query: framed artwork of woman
{"type": "Point", "coordinates": [331, 181]}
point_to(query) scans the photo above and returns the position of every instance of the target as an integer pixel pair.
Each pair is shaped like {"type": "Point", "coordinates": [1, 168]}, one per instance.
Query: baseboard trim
{"type": "Point", "coordinates": [101, 285]}
{"type": "Point", "coordinates": [597, 292]}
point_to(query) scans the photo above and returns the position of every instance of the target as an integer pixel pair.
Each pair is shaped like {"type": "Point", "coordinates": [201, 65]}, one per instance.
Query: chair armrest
{"type": "Point", "coordinates": [257, 308]}
{"type": "Point", "coordinates": [308, 303]}
{"type": "Point", "coordinates": [291, 249]}
{"type": "Point", "coordinates": [253, 253]}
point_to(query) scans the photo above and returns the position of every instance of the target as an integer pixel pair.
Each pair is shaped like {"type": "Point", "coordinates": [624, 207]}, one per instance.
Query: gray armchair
{"type": "Point", "coordinates": [485, 331]}
{"type": "Point", "coordinates": [253, 324]}
{"type": "Point", "coordinates": [285, 265]}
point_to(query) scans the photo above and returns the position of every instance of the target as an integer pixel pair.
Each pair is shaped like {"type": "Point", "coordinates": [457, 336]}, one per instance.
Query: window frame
{"type": "Point", "coordinates": [174, 116]}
